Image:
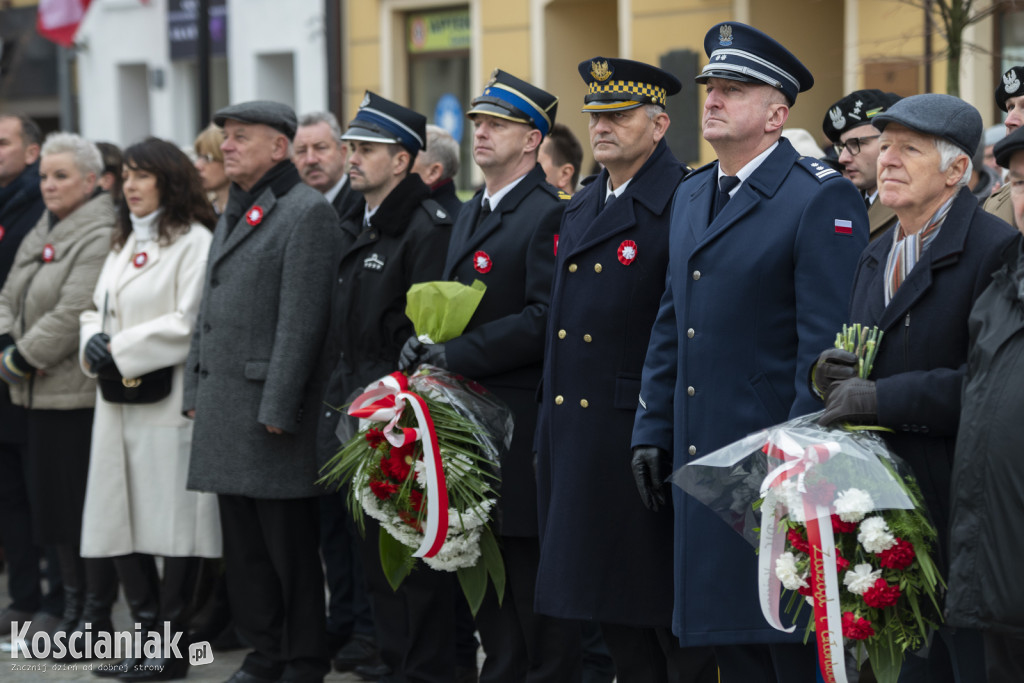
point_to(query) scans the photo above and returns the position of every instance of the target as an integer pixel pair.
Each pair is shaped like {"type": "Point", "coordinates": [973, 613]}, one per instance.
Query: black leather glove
{"type": "Point", "coordinates": [97, 355]}
{"type": "Point", "coordinates": [853, 401]}
{"type": "Point", "coordinates": [651, 467]}
{"type": "Point", "coordinates": [415, 352]}
{"type": "Point", "coordinates": [832, 365]}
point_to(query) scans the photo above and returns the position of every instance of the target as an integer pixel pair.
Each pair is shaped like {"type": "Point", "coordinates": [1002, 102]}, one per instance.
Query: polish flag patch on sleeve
{"type": "Point", "coordinates": [844, 227]}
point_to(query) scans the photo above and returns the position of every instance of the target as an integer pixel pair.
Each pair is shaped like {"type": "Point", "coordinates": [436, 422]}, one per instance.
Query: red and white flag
{"type": "Point", "coordinates": [58, 20]}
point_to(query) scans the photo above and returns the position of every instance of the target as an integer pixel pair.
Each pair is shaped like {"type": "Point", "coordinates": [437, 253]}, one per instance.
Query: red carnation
{"type": "Point", "coordinates": [841, 562]}
{"type": "Point", "coordinates": [374, 437]}
{"type": "Point", "coordinates": [881, 594]}
{"type": "Point", "coordinates": [383, 489]}
{"type": "Point", "coordinates": [841, 527]}
{"type": "Point", "coordinates": [821, 493]}
{"type": "Point", "coordinates": [397, 464]}
{"type": "Point", "coordinates": [856, 628]}
{"type": "Point", "coordinates": [899, 556]}
{"type": "Point", "coordinates": [416, 500]}
{"type": "Point", "coordinates": [798, 541]}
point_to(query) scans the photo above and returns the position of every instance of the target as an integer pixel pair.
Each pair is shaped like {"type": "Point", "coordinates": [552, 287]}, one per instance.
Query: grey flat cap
{"type": "Point", "coordinates": [943, 116]}
{"type": "Point", "coordinates": [274, 114]}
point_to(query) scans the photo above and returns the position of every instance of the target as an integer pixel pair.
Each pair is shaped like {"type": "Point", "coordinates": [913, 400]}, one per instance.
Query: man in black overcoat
{"type": "Point", "coordinates": [609, 276]}
{"type": "Point", "coordinates": [437, 165]}
{"type": "Point", "coordinates": [505, 236]}
{"type": "Point", "coordinates": [321, 158]}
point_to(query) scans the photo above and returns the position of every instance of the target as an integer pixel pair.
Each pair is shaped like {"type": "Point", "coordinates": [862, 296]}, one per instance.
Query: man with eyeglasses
{"type": "Point", "coordinates": [848, 125]}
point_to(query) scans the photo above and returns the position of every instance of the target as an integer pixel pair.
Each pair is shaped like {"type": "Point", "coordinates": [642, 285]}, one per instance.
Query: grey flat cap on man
{"type": "Point", "coordinates": [274, 114]}
{"type": "Point", "coordinates": [943, 116]}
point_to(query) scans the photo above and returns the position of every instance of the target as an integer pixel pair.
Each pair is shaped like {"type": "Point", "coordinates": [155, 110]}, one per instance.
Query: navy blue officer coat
{"type": "Point", "coordinates": [512, 252]}
{"type": "Point", "coordinates": [604, 556]}
{"type": "Point", "coordinates": [921, 362]}
{"type": "Point", "coordinates": [751, 299]}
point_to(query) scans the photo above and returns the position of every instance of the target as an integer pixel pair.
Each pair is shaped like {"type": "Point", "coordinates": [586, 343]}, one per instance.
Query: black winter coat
{"type": "Point", "coordinates": [987, 515]}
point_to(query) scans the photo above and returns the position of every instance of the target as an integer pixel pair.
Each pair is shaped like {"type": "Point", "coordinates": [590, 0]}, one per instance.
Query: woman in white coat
{"type": "Point", "coordinates": [147, 298]}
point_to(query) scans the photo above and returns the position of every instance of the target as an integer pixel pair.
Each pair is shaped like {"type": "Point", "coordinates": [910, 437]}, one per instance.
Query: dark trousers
{"type": "Point", "coordinates": [275, 584]}
{"type": "Point", "coordinates": [348, 608]}
{"type": "Point", "coordinates": [1004, 658]}
{"type": "Point", "coordinates": [653, 655]}
{"type": "Point", "coordinates": [416, 623]}
{"type": "Point", "coordinates": [519, 644]}
{"type": "Point", "coordinates": [23, 569]}
{"type": "Point", "coordinates": [767, 663]}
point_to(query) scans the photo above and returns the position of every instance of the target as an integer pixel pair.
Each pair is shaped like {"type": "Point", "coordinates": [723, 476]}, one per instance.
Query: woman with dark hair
{"type": "Point", "coordinates": [147, 298]}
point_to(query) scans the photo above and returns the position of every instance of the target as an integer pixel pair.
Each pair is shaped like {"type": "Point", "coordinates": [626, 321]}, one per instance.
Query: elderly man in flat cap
{"type": "Point", "coordinates": [251, 385]}
{"type": "Point", "coordinates": [505, 237]}
{"type": "Point", "coordinates": [848, 125]}
{"type": "Point", "coordinates": [763, 251]}
{"type": "Point", "coordinates": [1009, 98]}
{"type": "Point", "coordinates": [918, 283]}
{"type": "Point", "coordinates": [612, 256]}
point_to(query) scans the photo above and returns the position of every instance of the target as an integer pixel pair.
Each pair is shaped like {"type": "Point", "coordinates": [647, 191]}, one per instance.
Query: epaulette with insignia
{"type": "Point", "coordinates": [438, 214]}
{"type": "Point", "coordinates": [817, 168]}
{"type": "Point", "coordinates": [695, 171]}
{"type": "Point", "coordinates": [564, 196]}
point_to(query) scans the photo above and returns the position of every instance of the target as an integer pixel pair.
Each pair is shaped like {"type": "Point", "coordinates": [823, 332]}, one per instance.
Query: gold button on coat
{"type": "Point", "coordinates": [559, 400]}
{"type": "Point", "coordinates": [587, 338]}
{"type": "Point", "coordinates": [696, 275]}
{"type": "Point", "coordinates": [584, 403]}
{"type": "Point", "coordinates": [597, 267]}
{"type": "Point", "coordinates": [689, 333]}
{"type": "Point", "coordinates": [690, 391]}
{"type": "Point", "coordinates": [692, 450]}
{"type": "Point", "coordinates": [561, 334]}
{"type": "Point", "coordinates": [572, 267]}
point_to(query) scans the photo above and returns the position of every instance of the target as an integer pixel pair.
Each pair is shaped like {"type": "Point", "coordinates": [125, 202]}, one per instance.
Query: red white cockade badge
{"type": "Point", "coordinates": [254, 216]}
{"type": "Point", "coordinates": [1, 232]}
{"type": "Point", "coordinates": [48, 253]}
{"type": "Point", "coordinates": [627, 252]}
{"type": "Point", "coordinates": [140, 259]}
{"type": "Point", "coordinates": [482, 262]}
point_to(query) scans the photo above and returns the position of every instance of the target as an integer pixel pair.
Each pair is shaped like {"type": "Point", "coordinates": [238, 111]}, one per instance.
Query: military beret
{"type": "Point", "coordinates": [274, 114]}
{"type": "Point", "coordinates": [513, 99]}
{"type": "Point", "coordinates": [620, 84]}
{"type": "Point", "coordinates": [381, 120]}
{"type": "Point", "coordinates": [1008, 146]}
{"type": "Point", "coordinates": [943, 116]}
{"type": "Point", "coordinates": [1010, 87]}
{"type": "Point", "coordinates": [742, 53]}
{"type": "Point", "coordinates": [855, 110]}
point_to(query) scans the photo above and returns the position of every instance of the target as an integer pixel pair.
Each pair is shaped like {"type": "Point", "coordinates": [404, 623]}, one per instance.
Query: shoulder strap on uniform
{"type": "Point", "coordinates": [438, 214]}
{"type": "Point", "coordinates": [817, 168]}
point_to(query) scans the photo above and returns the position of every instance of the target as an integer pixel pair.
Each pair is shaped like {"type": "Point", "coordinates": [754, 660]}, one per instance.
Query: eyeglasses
{"type": "Point", "coordinates": [207, 158]}
{"type": "Point", "coordinates": [853, 144]}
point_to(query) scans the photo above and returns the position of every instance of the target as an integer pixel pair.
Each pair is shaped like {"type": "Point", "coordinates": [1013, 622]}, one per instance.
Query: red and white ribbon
{"type": "Point", "coordinates": [823, 578]}
{"type": "Point", "coordinates": [384, 401]}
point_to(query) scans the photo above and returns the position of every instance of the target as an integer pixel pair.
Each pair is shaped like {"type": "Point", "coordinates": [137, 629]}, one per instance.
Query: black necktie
{"type": "Point", "coordinates": [725, 185]}
{"type": "Point", "coordinates": [485, 211]}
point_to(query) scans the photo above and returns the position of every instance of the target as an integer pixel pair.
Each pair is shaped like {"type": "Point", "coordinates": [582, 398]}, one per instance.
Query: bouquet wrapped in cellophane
{"type": "Point", "coordinates": [839, 523]}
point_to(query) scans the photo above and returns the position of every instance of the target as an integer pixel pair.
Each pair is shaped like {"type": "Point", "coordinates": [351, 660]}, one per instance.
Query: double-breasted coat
{"type": "Point", "coordinates": [921, 362]}
{"type": "Point", "coordinates": [512, 251]}
{"type": "Point", "coordinates": [257, 347]}
{"type": "Point", "coordinates": [135, 499]}
{"type": "Point", "coordinates": [604, 556]}
{"type": "Point", "coordinates": [752, 298]}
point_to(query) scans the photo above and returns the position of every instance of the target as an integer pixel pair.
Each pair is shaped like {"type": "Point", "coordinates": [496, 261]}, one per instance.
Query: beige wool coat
{"type": "Point", "coordinates": [41, 302]}
{"type": "Point", "coordinates": [136, 500]}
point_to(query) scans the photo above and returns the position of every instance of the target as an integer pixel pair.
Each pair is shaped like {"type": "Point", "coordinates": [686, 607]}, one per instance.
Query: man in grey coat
{"type": "Point", "coordinates": [250, 384]}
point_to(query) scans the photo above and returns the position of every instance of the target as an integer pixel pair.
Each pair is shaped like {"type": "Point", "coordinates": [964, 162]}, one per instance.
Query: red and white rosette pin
{"type": "Point", "coordinates": [254, 216]}
{"type": "Point", "coordinates": [140, 259]}
{"type": "Point", "coordinates": [556, 243]}
{"type": "Point", "coordinates": [1, 232]}
{"type": "Point", "coordinates": [482, 262]}
{"type": "Point", "coordinates": [627, 252]}
{"type": "Point", "coordinates": [384, 400]}
{"type": "Point", "coordinates": [48, 253]}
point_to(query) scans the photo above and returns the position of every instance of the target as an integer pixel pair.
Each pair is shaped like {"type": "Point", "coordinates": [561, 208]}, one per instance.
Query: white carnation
{"type": "Point", "coordinates": [861, 578]}
{"type": "Point", "coordinates": [874, 535]}
{"type": "Point", "coordinates": [853, 504]}
{"type": "Point", "coordinates": [790, 496]}
{"type": "Point", "coordinates": [789, 575]}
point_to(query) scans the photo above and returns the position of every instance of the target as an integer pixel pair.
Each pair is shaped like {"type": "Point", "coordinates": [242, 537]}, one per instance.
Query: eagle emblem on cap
{"type": "Point", "coordinates": [725, 35]}
{"type": "Point", "coordinates": [600, 71]}
{"type": "Point", "coordinates": [1011, 83]}
{"type": "Point", "coordinates": [838, 120]}
{"type": "Point", "coordinates": [366, 101]}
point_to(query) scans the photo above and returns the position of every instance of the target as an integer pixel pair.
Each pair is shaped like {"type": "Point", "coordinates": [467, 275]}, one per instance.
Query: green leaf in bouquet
{"type": "Point", "coordinates": [885, 658]}
{"type": "Point", "coordinates": [442, 309]}
{"type": "Point", "coordinates": [474, 585]}
{"type": "Point", "coordinates": [395, 559]}
{"type": "Point", "coordinates": [490, 556]}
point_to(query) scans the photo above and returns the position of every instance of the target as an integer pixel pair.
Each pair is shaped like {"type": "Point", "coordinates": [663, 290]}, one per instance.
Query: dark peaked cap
{"type": "Point", "coordinates": [619, 84]}
{"type": "Point", "coordinates": [278, 116]}
{"type": "Point", "coordinates": [381, 120]}
{"type": "Point", "coordinates": [1008, 146]}
{"type": "Point", "coordinates": [742, 53]}
{"type": "Point", "coordinates": [513, 99]}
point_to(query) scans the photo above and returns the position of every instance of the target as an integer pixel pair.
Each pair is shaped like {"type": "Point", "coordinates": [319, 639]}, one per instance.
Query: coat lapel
{"type": "Point", "coordinates": [224, 243]}
{"type": "Point", "coordinates": [124, 265]}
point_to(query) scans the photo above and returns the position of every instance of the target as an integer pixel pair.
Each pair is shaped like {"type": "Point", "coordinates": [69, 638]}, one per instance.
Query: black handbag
{"type": "Point", "coordinates": [149, 388]}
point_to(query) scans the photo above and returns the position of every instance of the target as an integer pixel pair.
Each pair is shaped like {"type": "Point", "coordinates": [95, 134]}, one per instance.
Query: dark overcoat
{"type": "Point", "coordinates": [257, 345]}
{"type": "Point", "coordinates": [604, 556]}
{"type": "Point", "coordinates": [503, 345]}
{"type": "Point", "coordinates": [921, 362]}
{"type": "Point", "coordinates": [347, 200]}
{"type": "Point", "coordinates": [751, 300]}
{"type": "Point", "coordinates": [405, 243]}
{"type": "Point", "coordinates": [985, 590]}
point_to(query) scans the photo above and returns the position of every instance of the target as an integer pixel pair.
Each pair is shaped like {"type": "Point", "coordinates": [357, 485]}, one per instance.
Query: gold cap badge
{"type": "Point", "coordinates": [600, 71]}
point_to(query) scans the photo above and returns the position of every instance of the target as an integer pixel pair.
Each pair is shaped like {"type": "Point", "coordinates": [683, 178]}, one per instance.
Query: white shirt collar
{"type": "Point", "coordinates": [618, 191]}
{"type": "Point", "coordinates": [333, 192]}
{"type": "Point", "coordinates": [749, 169]}
{"type": "Point", "coordinates": [495, 198]}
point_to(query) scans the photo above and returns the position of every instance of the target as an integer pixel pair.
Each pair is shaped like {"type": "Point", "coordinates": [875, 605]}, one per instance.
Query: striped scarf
{"type": "Point", "coordinates": [907, 249]}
